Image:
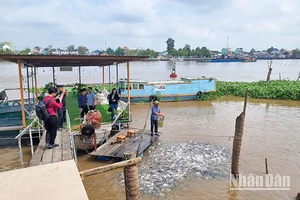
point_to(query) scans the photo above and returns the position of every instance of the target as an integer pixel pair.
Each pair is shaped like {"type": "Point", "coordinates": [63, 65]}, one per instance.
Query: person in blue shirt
{"type": "Point", "coordinates": [82, 103]}
{"type": "Point", "coordinates": [91, 99]}
{"type": "Point", "coordinates": [155, 114]}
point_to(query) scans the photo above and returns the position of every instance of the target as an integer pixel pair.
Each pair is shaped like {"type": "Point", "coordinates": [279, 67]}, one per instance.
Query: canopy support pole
{"type": "Point", "coordinates": [35, 85]}
{"type": "Point", "coordinates": [117, 75]}
{"type": "Point", "coordinates": [109, 80]}
{"type": "Point", "coordinates": [128, 89]}
{"type": "Point", "coordinates": [80, 77]}
{"type": "Point", "coordinates": [102, 77]}
{"type": "Point", "coordinates": [21, 94]}
{"type": "Point", "coordinates": [53, 76]}
{"type": "Point", "coordinates": [28, 84]}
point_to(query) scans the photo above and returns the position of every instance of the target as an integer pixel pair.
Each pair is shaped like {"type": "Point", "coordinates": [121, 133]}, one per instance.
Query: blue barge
{"type": "Point", "coordinates": [170, 90]}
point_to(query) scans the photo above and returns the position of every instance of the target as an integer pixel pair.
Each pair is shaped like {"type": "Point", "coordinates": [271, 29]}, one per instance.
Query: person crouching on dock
{"type": "Point", "coordinates": [155, 114]}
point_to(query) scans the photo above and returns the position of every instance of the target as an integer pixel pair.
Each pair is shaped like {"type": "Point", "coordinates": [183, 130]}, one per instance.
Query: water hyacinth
{"type": "Point", "coordinates": [169, 164]}
{"type": "Point", "coordinates": [277, 89]}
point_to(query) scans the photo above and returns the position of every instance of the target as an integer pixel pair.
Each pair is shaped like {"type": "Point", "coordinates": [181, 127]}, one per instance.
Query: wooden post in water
{"type": "Point", "coordinates": [131, 178]}
{"type": "Point", "coordinates": [237, 142]}
{"type": "Point", "coordinates": [269, 72]}
{"type": "Point", "coordinates": [266, 163]}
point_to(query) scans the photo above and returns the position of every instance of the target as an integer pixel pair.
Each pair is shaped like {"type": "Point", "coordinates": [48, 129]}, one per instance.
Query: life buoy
{"type": "Point", "coordinates": [199, 93]}
{"type": "Point", "coordinates": [152, 98]}
{"type": "Point", "coordinates": [16, 103]}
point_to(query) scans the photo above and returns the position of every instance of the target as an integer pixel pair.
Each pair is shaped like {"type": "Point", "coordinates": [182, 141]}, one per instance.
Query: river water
{"type": "Point", "coordinates": [271, 131]}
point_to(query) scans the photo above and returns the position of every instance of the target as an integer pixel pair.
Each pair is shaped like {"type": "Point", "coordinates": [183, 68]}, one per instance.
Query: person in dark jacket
{"type": "Point", "coordinates": [113, 101]}
{"type": "Point", "coordinates": [61, 113]}
{"type": "Point", "coordinates": [82, 103]}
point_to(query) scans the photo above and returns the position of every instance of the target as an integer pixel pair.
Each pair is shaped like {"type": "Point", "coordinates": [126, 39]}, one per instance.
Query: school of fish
{"type": "Point", "coordinates": [168, 165]}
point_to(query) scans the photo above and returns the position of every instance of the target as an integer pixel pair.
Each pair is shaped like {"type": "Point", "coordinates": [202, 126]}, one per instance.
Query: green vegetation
{"type": "Point", "coordinates": [74, 114]}
{"type": "Point", "coordinates": [284, 89]}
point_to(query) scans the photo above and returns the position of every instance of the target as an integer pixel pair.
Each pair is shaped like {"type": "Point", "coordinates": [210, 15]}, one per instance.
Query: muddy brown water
{"type": "Point", "coordinates": [271, 131]}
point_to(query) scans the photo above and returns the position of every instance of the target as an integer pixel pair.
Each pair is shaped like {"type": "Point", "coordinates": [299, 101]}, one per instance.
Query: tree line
{"type": "Point", "coordinates": [186, 51]}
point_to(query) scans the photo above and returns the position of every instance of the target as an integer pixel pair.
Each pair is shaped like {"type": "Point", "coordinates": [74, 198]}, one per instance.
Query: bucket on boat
{"type": "Point", "coordinates": [160, 122]}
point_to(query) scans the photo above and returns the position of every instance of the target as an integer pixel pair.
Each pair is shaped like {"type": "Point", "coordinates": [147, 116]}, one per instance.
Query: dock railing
{"type": "Point", "coordinates": [29, 129]}
{"type": "Point", "coordinates": [72, 139]}
{"type": "Point", "coordinates": [120, 113]}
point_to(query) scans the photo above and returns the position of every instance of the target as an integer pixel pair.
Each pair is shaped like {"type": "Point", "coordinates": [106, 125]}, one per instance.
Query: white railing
{"type": "Point", "coordinates": [120, 113]}
{"type": "Point", "coordinates": [72, 140]}
{"type": "Point", "coordinates": [19, 137]}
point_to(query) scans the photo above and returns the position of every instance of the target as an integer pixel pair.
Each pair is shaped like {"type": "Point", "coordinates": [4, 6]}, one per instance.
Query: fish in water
{"type": "Point", "coordinates": [168, 165]}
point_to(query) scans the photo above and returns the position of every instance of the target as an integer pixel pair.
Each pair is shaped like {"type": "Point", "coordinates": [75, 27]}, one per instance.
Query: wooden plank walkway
{"type": "Point", "coordinates": [59, 180]}
{"type": "Point", "coordinates": [63, 152]}
{"type": "Point", "coordinates": [117, 150]}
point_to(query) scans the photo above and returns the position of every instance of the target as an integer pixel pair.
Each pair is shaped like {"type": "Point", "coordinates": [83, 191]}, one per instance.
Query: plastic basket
{"type": "Point", "coordinates": [160, 122]}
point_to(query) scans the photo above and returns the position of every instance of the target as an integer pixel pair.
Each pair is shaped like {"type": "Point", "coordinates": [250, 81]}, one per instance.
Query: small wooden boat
{"type": "Point", "coordinates": [120, 143]}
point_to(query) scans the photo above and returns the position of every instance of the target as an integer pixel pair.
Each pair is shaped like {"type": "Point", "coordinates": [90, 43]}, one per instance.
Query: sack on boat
{"type": "Point", "coordinates": [160, 122]}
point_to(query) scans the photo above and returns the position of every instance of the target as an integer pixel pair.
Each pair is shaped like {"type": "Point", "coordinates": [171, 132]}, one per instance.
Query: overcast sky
{"type": "Point", "coordinates": [149, 23]}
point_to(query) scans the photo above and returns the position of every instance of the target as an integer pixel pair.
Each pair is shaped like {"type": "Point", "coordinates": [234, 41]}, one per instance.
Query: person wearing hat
{"type": "Point", "coordinates": [61, 113]}
{"type": "Point", "coordinates": [82, 103]}
{"type": "Point", "coordinates": [155, 114]}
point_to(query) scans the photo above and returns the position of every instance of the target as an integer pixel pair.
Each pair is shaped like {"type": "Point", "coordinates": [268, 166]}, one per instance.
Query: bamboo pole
{"type": "Point", "coordinates": [35, 85]}
{"type": "Point", "coordinates": [21, 94]}
{"type": "Point", "coordinates": [266, 163]}
{"type": "Point", "coordinates": [237, 142]}
{"type": "Point", "coordinates": [269, 72]}
{"type": "Point", "coordinates": [106, 168]}
{"type": "Point", "coordinates": [131, 178]}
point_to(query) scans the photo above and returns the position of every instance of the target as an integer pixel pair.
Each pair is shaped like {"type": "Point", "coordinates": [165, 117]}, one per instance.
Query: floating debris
{"type": "Point", "coordinates": [167, 165]}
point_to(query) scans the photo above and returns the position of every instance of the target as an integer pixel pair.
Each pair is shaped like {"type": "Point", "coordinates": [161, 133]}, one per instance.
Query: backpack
{"type": "Point", "coordinates": [41, 110]}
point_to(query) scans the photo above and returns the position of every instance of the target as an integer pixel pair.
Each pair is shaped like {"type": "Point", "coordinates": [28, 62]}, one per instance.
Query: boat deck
{"type": "Point", "coordinates": [61, 153]}
{"type": "Point", "coordinates": [86, 143]}
{"type": "Point", "coordinates": [112, 149]}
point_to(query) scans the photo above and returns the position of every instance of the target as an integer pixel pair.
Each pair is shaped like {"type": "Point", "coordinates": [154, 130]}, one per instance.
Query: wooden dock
{"type": "Point", "coordinates": [112, 149]}
{"type": "Point", "coordinates": [59, 180]}
{"type": "Point", "coordinates": [61, 153]}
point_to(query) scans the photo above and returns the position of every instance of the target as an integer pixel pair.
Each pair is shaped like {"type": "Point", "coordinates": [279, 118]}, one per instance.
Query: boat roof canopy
{"type": "Point", "coordinates": [182, 80]}
{"type": "Point", "coordinates": [69, 60]}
